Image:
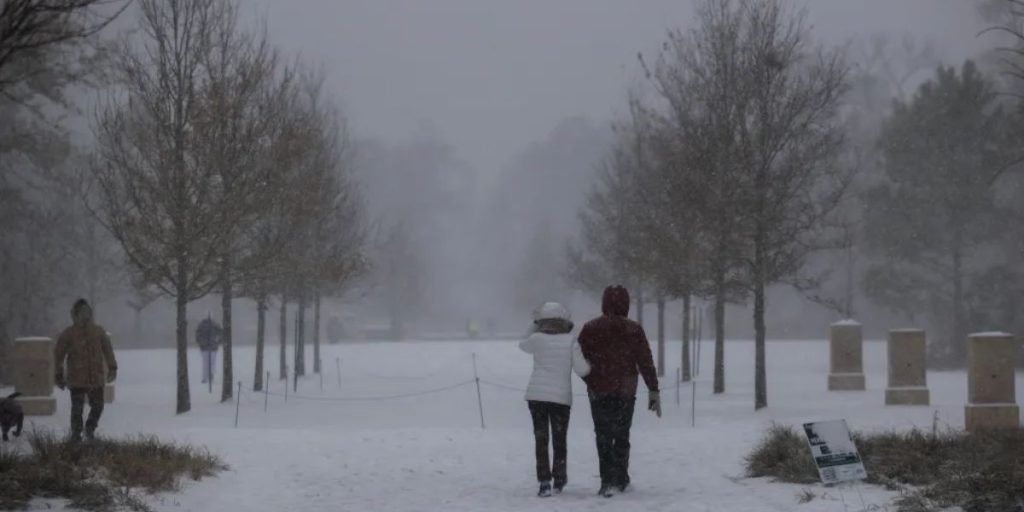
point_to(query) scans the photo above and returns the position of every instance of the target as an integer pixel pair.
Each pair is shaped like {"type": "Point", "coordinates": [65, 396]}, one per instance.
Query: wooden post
{"type": "Point", "coordinates": [693, 404]}
{"type": "Point", "coordinates": [661, 337]}
{"type": "Point", "coordinates": [678, 380]}
{"type": "Point", "coordinates": [238, 402]}
{"type": "Point", "coordinates": [479, 397]}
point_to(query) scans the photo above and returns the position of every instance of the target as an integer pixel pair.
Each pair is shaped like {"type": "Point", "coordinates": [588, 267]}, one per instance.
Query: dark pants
{"type": "Point", "coordinates": [613, 417]}
{"type": "Point", "coordinates": [556, 417]}
{"type": "Point", "coordinates": [78, 396]}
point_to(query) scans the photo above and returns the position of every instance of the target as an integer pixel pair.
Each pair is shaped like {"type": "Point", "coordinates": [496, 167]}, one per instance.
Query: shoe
{"type": "Point", "coordinates": [75, 437]}
{"type": "Point", "coordinates": [606, 491]}
{"type": "Point", "coordinates": [622, 488]}
{"type": "Point", "coordinates": [558, 487]}
{"type": "Point", "coordinates": [90, 435]}
{"type": "Point", "coordinates": [545, 490]}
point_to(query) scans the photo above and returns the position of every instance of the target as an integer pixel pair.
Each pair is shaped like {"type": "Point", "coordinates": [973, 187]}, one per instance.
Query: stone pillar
{"type": "Point", "coordinates": [846, 371]}
{"type": "Point", "coordinates": [33, 375]}
{"type": "Point", "coordinates": [908, 368]}
{"type": "Point", "coordinates": [991, 395]}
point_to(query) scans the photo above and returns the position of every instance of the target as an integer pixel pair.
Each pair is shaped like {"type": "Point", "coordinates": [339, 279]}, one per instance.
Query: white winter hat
{"type": "Point", "coordinates": [551, 310]}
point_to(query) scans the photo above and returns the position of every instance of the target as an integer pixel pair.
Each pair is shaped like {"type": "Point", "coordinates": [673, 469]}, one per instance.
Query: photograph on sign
{"type": "Point", "coordinates": [834, 452]}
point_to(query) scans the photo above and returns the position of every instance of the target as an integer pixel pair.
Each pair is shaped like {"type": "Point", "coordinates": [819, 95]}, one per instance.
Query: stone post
{"type": "Point", "coordinates": [991, 395]}
{"type": "Point", "coordinates": [846, 357]}
{"type": "Point", "coordinates": [908, 368]}
{"type": "Point", "coordinates": [33, 375]}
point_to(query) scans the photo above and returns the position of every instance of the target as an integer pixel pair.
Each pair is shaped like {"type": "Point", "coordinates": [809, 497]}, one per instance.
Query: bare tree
{"type": "Point", "coordinates": [156, 196]}
{"type": "Point", "coordinates": [790, 144]}
{"type": "Point", "coordinates": [338, 231]}
{"type": "Point", "coordinates": [30, 28]}
{"type": "Point", "coordinates": [692, 76]}
{"type": "Point", "coordinates": [758, 106]}
{"type": "Point", "coordinates": [611, 246]}
{"type": "Point", "coordinates": [242, 102]}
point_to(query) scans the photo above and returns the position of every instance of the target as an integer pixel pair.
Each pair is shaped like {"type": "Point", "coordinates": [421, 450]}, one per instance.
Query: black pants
{"type": "Point", "coordinates": [556, 417]}
{"type": "Point", "coordinates": [613, 417]}
{"type": "Point", "coordinates": [78, 396]}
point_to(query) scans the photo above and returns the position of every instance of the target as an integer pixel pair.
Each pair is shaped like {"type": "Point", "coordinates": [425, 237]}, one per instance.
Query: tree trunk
{"type": "Point", "coordinates": [184, 401]}
{"type": "Point", "coordinates": [720, 334]}
{"type": "Point", "coordinates": [261, 332]}
{"type": "Point", "coordinates": [959, 342]}
{"type": "Point", "coordinates": [640, 306]}
{"type": "Point", "coordinates": [686, 363]}
{"type": "Point", "coordinates": [661, 337]}
{"type": "Point", "coordinates": [283, 331]}
{"type": "Point", "coordinates": [300, 338]}
{"type": "Point", "coordinates": [226, 390]}
{"type": "Point", "coordinates": [760, 373]}
{"type": "Point", "coordinates": [316, 333]}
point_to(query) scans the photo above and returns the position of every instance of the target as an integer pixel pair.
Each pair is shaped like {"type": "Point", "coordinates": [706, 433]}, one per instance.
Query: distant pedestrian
{"type": "Point", "coordinates": [208, 337]}
{"type": "Point", "coordinates": [617, 350]}
{"type": "Point", "coordinates": [549, 395]}
{"type": "Point", "coordinates": [84, 349]}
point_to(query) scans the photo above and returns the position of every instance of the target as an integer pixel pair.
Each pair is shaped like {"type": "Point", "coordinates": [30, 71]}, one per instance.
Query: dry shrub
{"type": "Point", "coordinates": [101, 475]}
{"type": "Point", "coordinates": [976, 472]}
{"type": "Point", "coordinates": [782, 454]}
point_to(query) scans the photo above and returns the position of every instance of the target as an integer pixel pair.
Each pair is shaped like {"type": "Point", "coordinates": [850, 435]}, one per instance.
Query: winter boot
{"type": "Point", "coordinates": [558, 487]}
{"type": "Point", "coordinates": [545, 490]}
{"type": "Point", "coordinates": [606, 491]}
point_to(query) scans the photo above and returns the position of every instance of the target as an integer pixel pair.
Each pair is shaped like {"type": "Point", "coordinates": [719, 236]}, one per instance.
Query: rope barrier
{"type": "Point", "coordinates": [360, 372]}
{"type": "Point", "coordinates": [377, 398]}
{"type": "Point", "coordinates": [507, 387]}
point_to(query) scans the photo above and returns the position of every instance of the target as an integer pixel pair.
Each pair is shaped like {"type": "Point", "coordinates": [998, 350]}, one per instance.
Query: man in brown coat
{"type": "Point", "coordinates": [85, 347]}
{"type": "Point", "coordinates": [618, 352]}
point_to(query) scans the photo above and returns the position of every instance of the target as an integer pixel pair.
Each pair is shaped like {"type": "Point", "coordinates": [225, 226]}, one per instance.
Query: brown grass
{"type": "Point", "coordinates": [976, 472]}
{"type": "Point", "coordinates": [102, 475]}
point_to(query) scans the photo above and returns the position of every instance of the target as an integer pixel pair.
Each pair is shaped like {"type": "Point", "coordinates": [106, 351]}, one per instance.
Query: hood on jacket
{"type": "Point", "coordinates": [615, 301]}
{"type": "Point", "coordinates": [81, 306]}
{"type": "Point", "coordinates": [551, 310]}
{"type": "Point", "coordinates": [552, 318]}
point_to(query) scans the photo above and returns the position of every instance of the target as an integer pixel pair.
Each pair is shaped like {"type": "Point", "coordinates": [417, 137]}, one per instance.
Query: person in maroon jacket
{"type": "Point", "coordinates": [618, 352]}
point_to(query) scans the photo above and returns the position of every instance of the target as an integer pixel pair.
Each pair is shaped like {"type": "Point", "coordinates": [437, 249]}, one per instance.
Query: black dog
{"type": "Point", "coordinates": [11, 415]}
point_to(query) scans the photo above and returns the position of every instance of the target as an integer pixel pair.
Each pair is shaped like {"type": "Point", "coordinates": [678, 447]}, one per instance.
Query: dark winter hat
{"type": "Point", "coordinates": [79, 304]}
{"type": "Point", "coordinates": [615, 301]}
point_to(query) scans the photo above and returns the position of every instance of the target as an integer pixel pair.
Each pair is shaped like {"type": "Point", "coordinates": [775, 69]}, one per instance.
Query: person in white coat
{"type": "Point", "coordinates": [556, 355]}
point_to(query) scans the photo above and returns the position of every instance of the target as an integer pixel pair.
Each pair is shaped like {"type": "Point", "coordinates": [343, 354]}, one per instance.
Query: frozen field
{"type": "Point", "coordinates": [335, 451]}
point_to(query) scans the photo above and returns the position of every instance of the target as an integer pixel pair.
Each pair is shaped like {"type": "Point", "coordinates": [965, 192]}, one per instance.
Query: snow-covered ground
{"type": "Point", "coordinates": [331, 450]}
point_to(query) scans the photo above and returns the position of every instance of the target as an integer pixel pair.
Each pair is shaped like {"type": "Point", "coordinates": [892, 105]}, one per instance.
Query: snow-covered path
{"type": "Point", "coordinates": [324, 452]}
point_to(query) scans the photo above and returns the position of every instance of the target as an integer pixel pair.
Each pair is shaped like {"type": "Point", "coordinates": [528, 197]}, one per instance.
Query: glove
{"type": "Point", "coordinates": [60, 382]}
{"type": "Point", "coordinates": [654, 402]}
{"type": "Point", "coordinates": [111, 374]}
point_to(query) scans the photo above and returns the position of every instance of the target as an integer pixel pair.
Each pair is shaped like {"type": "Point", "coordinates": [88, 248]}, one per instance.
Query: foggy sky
{"type": "Point", "coordinates": [491, 76]}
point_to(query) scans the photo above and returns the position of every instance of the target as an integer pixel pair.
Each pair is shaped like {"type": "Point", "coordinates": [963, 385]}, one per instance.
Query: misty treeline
{"type": "Point", "coordinates": [49, 248]}
{"type": "Point", "coordinates": [217, 165]}
{"type": "Point", "coordinates": [752, 156]}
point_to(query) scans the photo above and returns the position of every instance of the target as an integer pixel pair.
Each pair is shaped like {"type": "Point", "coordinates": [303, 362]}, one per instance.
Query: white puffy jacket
{"type": "Point", "coordinates": [555, 357]}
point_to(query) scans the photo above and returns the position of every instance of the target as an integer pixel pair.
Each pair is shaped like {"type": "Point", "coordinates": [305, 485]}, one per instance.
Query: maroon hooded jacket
{"type": "Point", "coordinates": [617, 349]}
